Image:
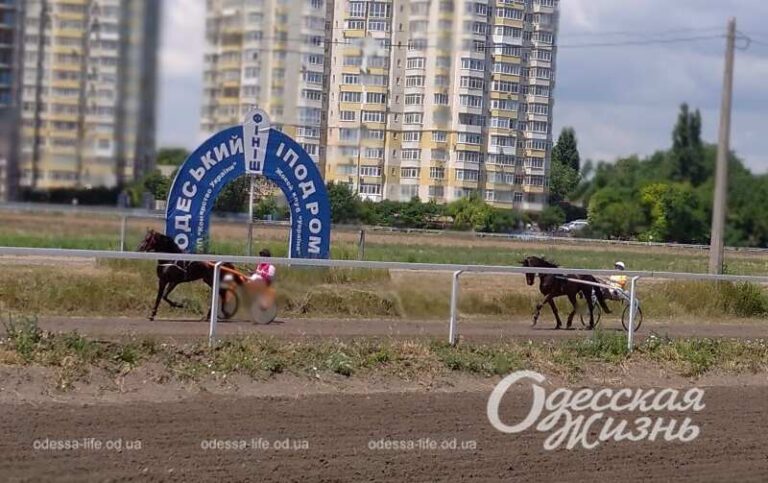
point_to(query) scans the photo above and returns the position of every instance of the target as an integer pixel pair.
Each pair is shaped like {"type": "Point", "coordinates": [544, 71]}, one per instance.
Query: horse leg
{"type": "Point", "coordinates": [591, 306]}
{"type": "Point", "coordinates": [574, 306]}
{"type": "Point", "coordinates": [538, 310]}
{"type": "Point", "coordinates": [160, 291]}
{"type": "Point", "coordinates": [554, 311]}
{"type": "Point", "coordinates": [171, 286]}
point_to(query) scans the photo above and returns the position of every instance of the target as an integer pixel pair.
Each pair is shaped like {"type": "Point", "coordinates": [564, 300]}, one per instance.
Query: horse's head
{"type": "Point", "coordinates": [149, 243]}
{"type": "Point", "coordinates": [529, 277]}
{"type": "Point", "coordinates": [157, 242]}
{"type": "Point", "coordinates": [535, 262]}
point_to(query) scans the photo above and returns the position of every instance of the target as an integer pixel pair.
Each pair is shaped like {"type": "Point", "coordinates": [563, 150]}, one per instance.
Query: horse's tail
{"type": "Point", "coordinates": [601, 299]}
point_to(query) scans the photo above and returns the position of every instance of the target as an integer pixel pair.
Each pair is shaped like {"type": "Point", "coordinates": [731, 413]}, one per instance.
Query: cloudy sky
{"type": "Point", "coordinates": [621, 99]}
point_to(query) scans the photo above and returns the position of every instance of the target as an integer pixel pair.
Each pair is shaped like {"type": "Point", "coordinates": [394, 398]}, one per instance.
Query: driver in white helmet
{"type": "Point", "coordinates": [617, 282]}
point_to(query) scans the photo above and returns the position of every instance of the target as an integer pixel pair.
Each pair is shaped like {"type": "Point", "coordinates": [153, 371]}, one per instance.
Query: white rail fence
{"type": "Point", "coordinates": [457, 270]}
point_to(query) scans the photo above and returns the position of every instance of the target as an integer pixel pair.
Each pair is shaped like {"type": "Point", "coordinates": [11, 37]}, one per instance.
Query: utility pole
{"type": "Point", "coordinates": [723, 148]}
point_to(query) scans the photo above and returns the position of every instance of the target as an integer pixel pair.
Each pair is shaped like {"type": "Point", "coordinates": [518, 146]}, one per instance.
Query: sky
{"type": "Point", "coordinates": [621, 100]}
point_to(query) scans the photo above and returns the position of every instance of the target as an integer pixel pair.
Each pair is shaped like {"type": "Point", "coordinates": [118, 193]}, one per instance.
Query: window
{"type": "Point", "coordinates": [512, 13]}
{"type": "Point", "coordinates": [378, 26]}
{"type": "Point", "coordinates": [534, 180]}
{"type": "Point", "coordinates": [443, 62]}
{"type": "Point", "coordinates": [370, 189]}
{"type": "Point", "coordinates": [472, 64]}
{"type": "Point", "coordinates": [506, 86]}
{"type": "Point", "coordinates": [411, 136]}
{"type": "Point", "coordinates": [418, 25]}
{"type": "Point", "coordinates": [415, 63]}
{"type": "Point", "coordinates": [504, 104]}
{"type": "Point", "coordinates": [517, 197]}
{"type": "Point", "coordinates": [409, 173]}
{"type": "Point", "coordinates": [501, 122]}
{"type": "Point", "coordinates": [471, 119]}
{"type": "Point", "coordinates": [441, 99]}
{"type": "Point", "coordinates": [357, 9]}
{"type": "Point", "coordinates": [374, 153]}
{"type": "Point", "coordinates": [374, 171]}
{"type": "Point", "coordinates": [470, 138]}
{"type": "Point", "coordinates": [472, 82]}
{"type": "Point", "coordinates": [414, 81]}
{"type": "Point", "coordinates": [351, 97]}
{"type": "Point", "coordinates": [311, 94]}
{"type": "Point", "coordinates": [506, 68]}
{"type": "Point", "coordinates": [374, 134]}
{"type": "Point", "coordinates": [350, 79]}
{"type": "Point", "coordinates": [471, 101]}
{"type": "Point", "coordinates": [541, 109]}
{"type": "Point", "coordinates": [411, 154]}
{"type": "Point", "coordinates": [439, 136]}
{"type": "Point", "coordinates": [537, 144]}
{"type": "Point", "coordinates": [536, 163]}
{"type": "Point", "coordinates": [308, 132]}
{"type": "Point", "coordinates": [414, 99]}
{"type": "Point", "coordinates": [541, 72]}
{"type": "Point", "coordinates": [313, 77]}
{"type": "Point", "coordinates": [469, 156]}
{"type": "Point", "coordinates": [538, 126]}
{"type": "Point", "coordinates": [379, 10]}
{"type": "Point", "coordinates": [501, 159]}
{"type": "Point", "coordinates": [441, 80]}
{"type": "Point", "coordinates": [347, 115]}
{"type": "Point", "coordinates": [467, 174]}
{"type": "Point", "coordinates": [373, 116]}
{"type": "Point", "coordinates": [436, 173]}
{"type": "Point", "coordinates": [413, 118]}
{"type": "Point", "coordinates": [542, 54]}
{"type": "Point", "coordinates": [353, 61]}
{"type": "Point", "coordinates": [503, 141]}
{"type": "Point", "coordinates": [409, 191]}
{"type": "Point", "coordinates": [374, 98]}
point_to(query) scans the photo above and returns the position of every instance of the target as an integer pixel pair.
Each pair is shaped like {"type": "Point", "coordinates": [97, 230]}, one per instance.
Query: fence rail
{"type": "Point", "coordinates": [456, 269]}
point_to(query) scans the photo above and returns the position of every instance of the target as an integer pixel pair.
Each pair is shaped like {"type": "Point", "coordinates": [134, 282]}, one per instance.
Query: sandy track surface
{"type": "Point", "coordinates": [330, 439]}
{"type": "Point", "coordinates": [485, 330]}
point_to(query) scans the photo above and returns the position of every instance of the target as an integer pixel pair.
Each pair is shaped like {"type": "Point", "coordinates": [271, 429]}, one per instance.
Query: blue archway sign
{"type": "Point", "coordinates": [253, 148]}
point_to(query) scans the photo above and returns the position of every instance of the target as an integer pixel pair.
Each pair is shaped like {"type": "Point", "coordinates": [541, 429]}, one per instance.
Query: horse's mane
{"type": "Point", "coordinates": [164, 243]}
{"type": "Point", "coordinates": [542, 262]}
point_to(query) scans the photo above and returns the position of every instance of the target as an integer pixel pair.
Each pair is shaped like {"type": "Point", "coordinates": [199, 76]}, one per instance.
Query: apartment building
{"type": "Point", "coordinates": [435, 99]}
{"type": "Point", "coordinates": [88, 92]}
{"type": "Point", "coordinates": [270, 54]}
{"type": "Point", "coordinates": [11, 35]}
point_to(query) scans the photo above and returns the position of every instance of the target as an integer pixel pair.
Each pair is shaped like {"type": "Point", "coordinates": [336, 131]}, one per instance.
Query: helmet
{"type": "Point", "coordinates": [619, 265]}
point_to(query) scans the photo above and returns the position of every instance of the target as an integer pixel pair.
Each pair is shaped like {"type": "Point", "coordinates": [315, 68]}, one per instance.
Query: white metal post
{"type": "Point", "coordinates": [214, 303]}
{"type": "Point", "coordinates": [249, 248]}
{"type": "Point", "coordinates": [123, 223]}
{"type": "Point", "coordinates": [632, 312]}
{"type": "Point", "coordinates": [453, 330]}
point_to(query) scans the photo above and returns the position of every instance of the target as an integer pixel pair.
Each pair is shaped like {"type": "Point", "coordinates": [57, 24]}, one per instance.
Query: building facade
{"type": "Point", "coordinates": [435, 99]}
{"type": "Point", "coordinates": [270, 54]}
{"type": "Point", "coordinates": [88, 92]}
{"type": "Point", "coordinates": [11, 37]}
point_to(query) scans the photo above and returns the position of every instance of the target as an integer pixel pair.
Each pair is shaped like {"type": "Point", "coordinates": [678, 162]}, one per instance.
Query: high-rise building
{"type": "Point", "coordinates": [88, 99]}
{"type": "Point", "coordinates": [270, 54]}
{"type": "Point", "coordinates": [435, 99]}
{"type": "Point", "coordinates": [11, 36]}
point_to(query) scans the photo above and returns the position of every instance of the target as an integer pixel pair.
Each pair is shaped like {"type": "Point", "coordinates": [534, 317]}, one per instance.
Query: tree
{"type": "Point", "coordinates": [687, 155]}
{"type": "Point", "coordinates": [563, 180]}
{"type": "Point", "coordinates": [345, 205]}
{"type": "Point", "coordinates": [233, 198]}
{"type": "Point", "coordinates": [675, 214]}
{"type": "Point", "coordinates": [171, 156]}
{"type": "Point", "coordinates": [566, 150]}
{"type": "Point", "coordinates": [551, 217]}
{"type": "Point", "coordinates": [614, 212]}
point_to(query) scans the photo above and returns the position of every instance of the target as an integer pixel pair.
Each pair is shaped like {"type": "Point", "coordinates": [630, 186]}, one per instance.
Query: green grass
{"type": "Point", "coordinates": [261, 357]}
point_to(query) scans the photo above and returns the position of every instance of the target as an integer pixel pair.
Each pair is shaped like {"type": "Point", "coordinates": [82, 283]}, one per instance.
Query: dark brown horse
{"type": "Point", "coordinates": [553, 285]}
{"type": "Point", "coordinates": [171, 273]}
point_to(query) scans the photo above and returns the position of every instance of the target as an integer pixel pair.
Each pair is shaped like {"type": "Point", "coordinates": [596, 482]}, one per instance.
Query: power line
{"type": "Point", "coordinates": [641, 33]}
{"type": "Point", "coordinates": [642, 42]}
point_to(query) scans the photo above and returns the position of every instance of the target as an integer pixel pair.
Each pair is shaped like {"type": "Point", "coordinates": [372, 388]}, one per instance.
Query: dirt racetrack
{"type": "Point", "coordinates": [337, 438]}
{"type": "Point", "coordinates": [476, 330]}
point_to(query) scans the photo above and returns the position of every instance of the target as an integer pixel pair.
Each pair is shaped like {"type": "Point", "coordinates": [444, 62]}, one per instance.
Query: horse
{"type": "Point", "coordinates": [553, 285]}
{"type": "Point", "coordinates": [171, 273]}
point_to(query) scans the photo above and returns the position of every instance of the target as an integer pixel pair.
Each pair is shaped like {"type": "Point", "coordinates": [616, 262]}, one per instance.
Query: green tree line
{"type": "Point", "coordinates": [666, 196]}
